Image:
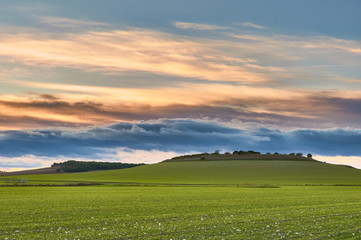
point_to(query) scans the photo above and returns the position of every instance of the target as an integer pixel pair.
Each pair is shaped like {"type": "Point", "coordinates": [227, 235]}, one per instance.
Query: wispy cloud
{"type": "Point", "coordinates": [198, 26]}
{"type": "Point", "coordinates": [243, 58]}
{"type": "Point", "coordinates": [182, 93]}
{"type": "Point", "coordinates": [249, 24]}
{"type": "Point", "coordinates": [34, 7]}
{"type": "Point", "coordinates": [68, 22]}
{"type": "Point", "coordinates": [133, 50]}
{"type": "Point", "coordinates": [356, 50]}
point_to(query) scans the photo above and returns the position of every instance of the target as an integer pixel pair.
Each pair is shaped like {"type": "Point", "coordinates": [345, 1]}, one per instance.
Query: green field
{"type": "Point", "coordinates": [216, 172]}
{"type": "Point", "coordinates": [188, 200]}
{"type": "Point", "coordinates": [113, 212]}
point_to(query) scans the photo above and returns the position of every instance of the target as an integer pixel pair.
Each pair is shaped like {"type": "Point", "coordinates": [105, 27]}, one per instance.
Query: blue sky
{"type": "Point", "coordinates": [323, 17]}
{"type": "Point", "coordinates": [142, 81]}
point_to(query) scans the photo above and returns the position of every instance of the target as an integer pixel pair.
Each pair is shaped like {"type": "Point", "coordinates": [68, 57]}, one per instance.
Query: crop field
{"type": "Point", "coordinates": [187, 200]}
{"type": "Point", "coordinates": [192, 212]}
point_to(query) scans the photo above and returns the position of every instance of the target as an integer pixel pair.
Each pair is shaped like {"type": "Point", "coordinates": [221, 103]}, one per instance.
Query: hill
{"type": "Point", "coordinates": [221, 172]}
{"type": "Point", "coordinates": [47, 170]}
{"type": "Point", "coordinates": [73, 166]}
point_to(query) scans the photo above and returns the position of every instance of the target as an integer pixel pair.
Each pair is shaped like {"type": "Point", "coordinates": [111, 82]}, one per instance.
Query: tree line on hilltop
{"type": "Point", "coordinates": [83, 166]}
{"type": "Point", "coordinates": [240, 152]}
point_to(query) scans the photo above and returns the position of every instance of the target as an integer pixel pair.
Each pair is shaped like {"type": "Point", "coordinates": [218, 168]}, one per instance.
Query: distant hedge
{"type": "Point", "coordinates": [83, 166]}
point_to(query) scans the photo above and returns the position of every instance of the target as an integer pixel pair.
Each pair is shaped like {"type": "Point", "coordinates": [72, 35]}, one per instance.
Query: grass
{"type": "Point", "coordinates": [216, 172]}
{"type": "Point", "coordinates": [111, 212]}
{"type": "Point", "coordinates": [188, 200]}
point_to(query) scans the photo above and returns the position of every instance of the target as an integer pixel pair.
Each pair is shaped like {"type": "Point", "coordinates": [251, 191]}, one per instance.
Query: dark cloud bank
{"type": "Point", "coordinates": [179, 136]}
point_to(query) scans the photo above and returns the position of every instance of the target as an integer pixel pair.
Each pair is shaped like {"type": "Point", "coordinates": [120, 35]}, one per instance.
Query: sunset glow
{"type": "Point", "coordinates": [146, 88]}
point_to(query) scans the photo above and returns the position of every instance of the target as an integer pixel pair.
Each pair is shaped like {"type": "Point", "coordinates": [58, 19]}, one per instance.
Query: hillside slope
{"type": "Point", "coordinates": [48, 170]}
{"type": "Point", "coordinates": [219, 172]}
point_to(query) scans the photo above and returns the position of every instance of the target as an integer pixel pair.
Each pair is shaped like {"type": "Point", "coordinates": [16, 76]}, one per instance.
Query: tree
{"type": "Point", "coordinates": [299, 154]}
{"type": "Point", "coordinates": [83, 166]}
{"type": "Point", "coordinates": [309, 155]}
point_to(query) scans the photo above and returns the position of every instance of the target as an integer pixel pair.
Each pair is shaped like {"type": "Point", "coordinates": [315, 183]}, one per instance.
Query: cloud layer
{"type": "Point", "coordinates": [229, 57]}
{"type": "Point", "coordinates": [125, 50]}
{"type": "Point", "coordinates": [175, 136]}
{"type": "Point", "coordinates": [233, 75]}
{"type": "Point", "coordinates": [279, 109]}
{"type": "Point", "coordinates": [76, 84]}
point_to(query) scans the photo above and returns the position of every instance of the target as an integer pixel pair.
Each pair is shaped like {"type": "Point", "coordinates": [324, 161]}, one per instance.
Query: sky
{"type": "Point", "coordinates": [144, 81]}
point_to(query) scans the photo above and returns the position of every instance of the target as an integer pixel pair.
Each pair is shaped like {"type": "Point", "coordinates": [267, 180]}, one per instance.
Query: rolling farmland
{"type": "Point", "coordinates": [244, 199]}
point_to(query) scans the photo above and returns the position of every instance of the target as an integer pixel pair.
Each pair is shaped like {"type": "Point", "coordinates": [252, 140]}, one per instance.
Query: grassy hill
{"type": "Point", "coordinates": [48, 170]}
{"type": "Point", "coordinates": [223, 172]}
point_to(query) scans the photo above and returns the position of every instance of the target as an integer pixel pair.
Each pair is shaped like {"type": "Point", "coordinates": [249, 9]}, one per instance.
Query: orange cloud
{"type": "Point", "coordinates": [236, 70]}
{"type": "Point", "coordinates": [132, 50]}
{"type": "Point", "coordinates": [243, 58]}
{"type": "Point", "coordinates": [90, 105]}
{"type": "Point", "coordinates": [186, 93]}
